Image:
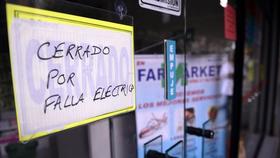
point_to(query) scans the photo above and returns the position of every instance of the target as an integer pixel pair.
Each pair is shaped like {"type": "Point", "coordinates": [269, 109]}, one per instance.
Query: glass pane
{"type": "Point", "coordinates": [176, 151]}
{"type": "Point", "coordinates": [210, 71]}
{"type": "Point", "coordinates": [154, 144]}
{"type": "Point", "coordinates": [112, 137]}
{"type": "Point", "coordinates": [215, 147]}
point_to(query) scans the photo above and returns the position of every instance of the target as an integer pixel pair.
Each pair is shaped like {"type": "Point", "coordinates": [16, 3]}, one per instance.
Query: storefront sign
{"type": "Point", "coordinates": [170, 67]}
{"type": "Point", "coordinates": [172, 7]}
{"type": "Point", "coordinates": [160, 122]}
{"type": "Point", "coordinates": [164, 119]}
{"type": "Point", "coordinates": [68, 70]}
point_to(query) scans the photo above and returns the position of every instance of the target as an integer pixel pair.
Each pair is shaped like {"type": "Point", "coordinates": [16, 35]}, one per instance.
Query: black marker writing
{"type": "Point", "coordinates": [60, 78]}
{"type": "Point", "coordinates": [110, 91]}
{"type": "Point", "coordinates": [72, 51]}
{"type": "Point", "coordinates": [56, 101]}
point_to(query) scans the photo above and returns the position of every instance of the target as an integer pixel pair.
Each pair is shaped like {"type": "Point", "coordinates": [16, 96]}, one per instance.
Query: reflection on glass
{"type": "Point", "coordinates": [176, 151]}
{"type": "Point", "coordinates": [154, 144]}
{"type": "Point", "coordinates": [209, 146]}
{"type": "Point", "coordinates": [215, 147]}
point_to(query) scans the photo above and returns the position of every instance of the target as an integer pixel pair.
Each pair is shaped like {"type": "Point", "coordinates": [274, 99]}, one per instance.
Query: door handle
{"type": "Point", "coordinates": [156, 154]}
{"type": "Point", "coordinates": [200, 132]}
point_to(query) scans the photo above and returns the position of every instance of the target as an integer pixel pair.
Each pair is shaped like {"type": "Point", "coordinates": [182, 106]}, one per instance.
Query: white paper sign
{"type": "Point", "coordinates": [65, 74]}
{"type": "Point", "coordinates": [172, 7]}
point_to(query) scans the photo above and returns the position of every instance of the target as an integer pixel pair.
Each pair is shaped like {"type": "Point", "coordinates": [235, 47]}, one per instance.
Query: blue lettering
{"type": "Point", "coordinates": [113, 66]}
{"type": "Point", "coordinates": [151, 75]}
{"type": "Point", "coordinates": [187, 72]}
{"type": "Point", "coordinates": [36, 94]}
{"type": "Point", "coordinates": [141, 74]}
{"type": "Point", "coordinates": [218, 69]}
{"type": "Point", "coordinates": [72, 67]}
{"type": "Point", "coordinates": [101, 73]}
{"type": "Point", "coordinates": [124, 65]}
{"type": "Point", "coordinates": [53, 65]}
{"type": "Point", "coordinates": [160, 74]}
{"type": "Point", "coordinates": [211, 71]}
{"type": "Point", "coordinates": [87, 78]}
{"type": "Point", "coordinates": [203, 71]}
{"type": "Point", "coordinates": [194, 71]}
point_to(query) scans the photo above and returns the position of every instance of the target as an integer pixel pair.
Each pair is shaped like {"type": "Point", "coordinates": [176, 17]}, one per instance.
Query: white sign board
{"type": "Point", "coordinates": [68, 75]}
{"type": "Point", "coordinates": [172, 7]}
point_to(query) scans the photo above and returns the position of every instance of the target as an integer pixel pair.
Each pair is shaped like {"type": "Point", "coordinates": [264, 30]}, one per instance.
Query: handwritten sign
{"type": "Point", "coordinates": [68, 70]}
